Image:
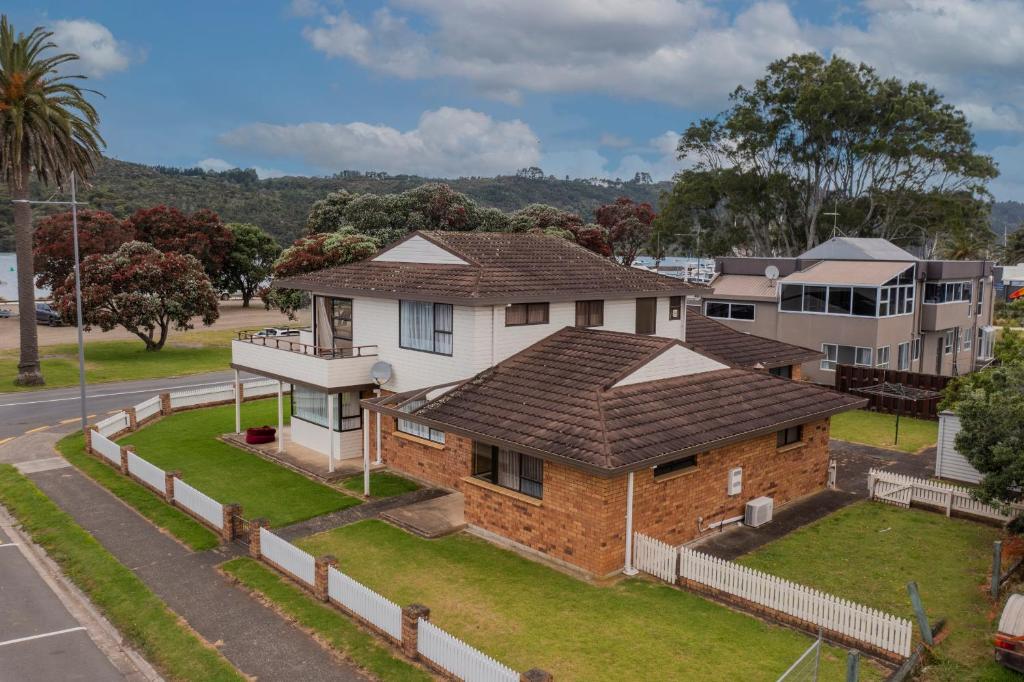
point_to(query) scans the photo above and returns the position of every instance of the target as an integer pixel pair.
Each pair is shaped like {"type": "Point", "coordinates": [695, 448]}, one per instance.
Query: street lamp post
{"type": "Point", "coordinates": [78, 288]}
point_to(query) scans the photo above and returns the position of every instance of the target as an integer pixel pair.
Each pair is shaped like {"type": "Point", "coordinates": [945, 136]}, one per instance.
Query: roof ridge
{"type": "Point", "coordinates": [442, 244]}
{"type": "Point", "coordinates": [606, 446]}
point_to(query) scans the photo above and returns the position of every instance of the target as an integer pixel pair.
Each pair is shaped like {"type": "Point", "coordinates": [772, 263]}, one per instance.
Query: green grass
{"type": "Point", "coordinates": [187, 441]}
{"type": "Point", "coordinates": [138, 614]}
{"type": "Point", "coordinates": [878, 429]}
{"type": "Point", "coordinates": [328, 623]}
{"type": "Point", "coordinates": [123, 360]}
{"type": "Point", "coordinates": [867, 552]}
{"type": "Point", "coordinates": [528, 615]}
{"type": "Point", "coordinates": [173, 520]}
{"type": "Point", "coordinates": [382, 484]}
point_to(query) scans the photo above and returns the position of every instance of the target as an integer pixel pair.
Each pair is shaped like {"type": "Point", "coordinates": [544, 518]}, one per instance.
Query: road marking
{"type": "Point", "coordinates": [39, 428]}
{"type": "Point", "coordinates": [6, 440]}
{"type": "Point", "coordinates": [9, 544]}
{"type": "Point", "coordinates": [111, 395]}
{"type": "Point", "coordinates": [45, 634]}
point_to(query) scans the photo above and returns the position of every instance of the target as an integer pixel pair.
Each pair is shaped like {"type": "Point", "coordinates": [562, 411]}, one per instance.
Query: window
{"type": "Point", "coordinates": [915, 348]}
{"type": "Point", "coordinates": [840, 300]}
{"type": "Point", "coordinates": [311, 406]}
{"type": "Point", "coordinates": [947, 292]}
{"type": "Point", "coordinates": [966, 338]}
{"type": "Point", "coordinates": [676, 465]}
{"type": "Point", "coordinates": [341, 318]}
{"type": "Point", "coordinates": [425, 326]}
{"type": "Point", "coordinates": [646, 315]}
{"type": "Point", "coordinates": [814, 298]}
{"type": "Point", "coordinates": [981, 295]}
{"type": "Point", "coordinates": [675, 307]}
{"type": "Point", "coordinates": [724, 310]}
{"type": "Point", "coordinates": [415, 429]}
{"type": "Point", "coordinates": [986, 341]}
{"type": "Point", "coordinates": [794, 434]}
{"type": "Point", "coordinates": [509, 469]}
{"type": "Point", "coordinates": [947, 342]}
{"type": "Point", "coordinates": [518, 314]}
{"type": "Point", "coordinates": [589, 313]}
{"type": "Point", "coordinates": [844, 355]}
{"type": "Point", "coordinates": [903, 356]}
{"type": "Point", "coordinates": [882, 357]}
{"type": "Point", "coordinates": [791, 298]}
{"type": "Point", "coordinates": [864, 301]}
{"type": "Point", "coordinates": [862, 357]}
{"type": "Point", "coordinates": [786, 371]}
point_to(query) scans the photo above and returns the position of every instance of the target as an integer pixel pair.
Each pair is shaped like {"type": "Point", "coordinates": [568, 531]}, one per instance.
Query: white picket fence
{"type": "Point", "coordinates": [202, 395]}
{"type": "Point", "coordinates": [458, 658]}
{"type": "Point", "coordinates": [199, 503]}
{"type": "Point", "coordinates": [147, 408]}
{"type": "Point", "coordinates": [364, 602]}
{"type": "Point", "coordinates": [148, 473]}
{"type": "Point", "coordinates": [288, 557]}
{"type": "Point", "coordinates": [824, 610]}
{"type": "Point", "coordinates": [260, 387]}
{"type": "Point", "coordinates": [115, 423]}
{"type": "Point", "coordinates": [656, 557]}
{"type": "Point", "coordinates": [110, 450]}
{"type": "Point", "coordinates": [902, 490]}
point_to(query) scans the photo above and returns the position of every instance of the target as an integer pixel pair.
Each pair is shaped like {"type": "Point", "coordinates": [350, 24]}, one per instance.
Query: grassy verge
{"type": "Point", "coordinates": [173, 520]}
{"type": "Point", "coordinates": [867, 552]}
{"type": "Point", "coordinates": [140, 616]}
{"type": "Point", "coordinates": [528, 615]}
{"type": "Point", "coordinates": [878, 429]}
{"type": "Point", "coordinates": [326, 622]}
{"type": "Point", "coordinates": [382, 484]}
{"type": "Point", "coordinates": [187, 441]}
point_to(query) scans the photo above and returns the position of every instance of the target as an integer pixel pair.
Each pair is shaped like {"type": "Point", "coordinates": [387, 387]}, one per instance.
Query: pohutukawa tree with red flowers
{"type": "Point", "coordinates": [201, 234]}
{"type": "Point", "coordinates": [143, 290]}
{"type": "Point", "coordinates": [98, 232]}
{"type": "Point", "coordinates": [629, 225]}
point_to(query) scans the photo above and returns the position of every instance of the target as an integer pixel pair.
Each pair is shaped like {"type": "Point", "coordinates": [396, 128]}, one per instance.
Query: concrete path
{"type": "Point", "coordinates": [254, 638]}
{"type": "Point", "coordinates": [367, 510]}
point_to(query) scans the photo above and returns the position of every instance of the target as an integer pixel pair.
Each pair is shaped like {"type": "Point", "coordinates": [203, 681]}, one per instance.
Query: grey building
{"type": "Point", "coordinates": [862, 302]}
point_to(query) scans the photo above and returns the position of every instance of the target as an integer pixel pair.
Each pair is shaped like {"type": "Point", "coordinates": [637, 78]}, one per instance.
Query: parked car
{"type": "Point", "coordinates": [1009, 640]}
{"type": "Point", "coordinates": [47, 315]}
{"type": "Point", "coordinates": [4, 312]}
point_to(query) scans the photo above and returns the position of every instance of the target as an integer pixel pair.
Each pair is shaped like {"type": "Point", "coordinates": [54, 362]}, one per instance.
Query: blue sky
{"type": "Point", "coordinates": [479, 87]}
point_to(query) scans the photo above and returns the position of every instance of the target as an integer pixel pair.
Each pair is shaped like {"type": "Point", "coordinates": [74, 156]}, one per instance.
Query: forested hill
{"type": "Point", "coordinates": [280, 205]}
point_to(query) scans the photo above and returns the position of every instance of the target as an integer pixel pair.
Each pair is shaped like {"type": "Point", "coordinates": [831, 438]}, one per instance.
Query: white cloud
{"type": "Point", "coordinates": [615, 141]}
{"type": "Point", "coordinates": [446, 142]}
{"type": "Point", "coordinates": [657, 157]}
{"type": "Point", "coordinates": [99, 52]}
{"type": "Point", "coordinates": [220, 165]}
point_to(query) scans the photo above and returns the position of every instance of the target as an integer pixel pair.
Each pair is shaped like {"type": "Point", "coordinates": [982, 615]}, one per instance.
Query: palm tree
{"type": "Point", "coordinates": [47, 127]}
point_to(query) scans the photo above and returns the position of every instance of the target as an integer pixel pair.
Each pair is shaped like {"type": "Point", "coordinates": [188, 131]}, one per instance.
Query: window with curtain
{"type": "Point", "coordinates": [426, 326]}
{"type": "Point", "coordinates": [341, 319]}
{"type": "Point", "coordinates": [519, 314]}
{"type": "Point", "coordinates": [351, 414]}
{"type": "Point", "coordinates": [416, 429]}
{"type": "Point", "coordinates": [589, 313]}
{"type": "Point", "coordinates": [509, 469]}
{"type": "Point", "coordinates": [311, 406]}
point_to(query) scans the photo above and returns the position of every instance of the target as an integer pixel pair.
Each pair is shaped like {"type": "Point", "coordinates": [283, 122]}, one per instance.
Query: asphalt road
{"type": "Point", "coordinates": [58, 408]}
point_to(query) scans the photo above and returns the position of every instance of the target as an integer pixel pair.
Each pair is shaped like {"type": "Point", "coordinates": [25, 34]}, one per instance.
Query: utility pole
{"type": "Point", "coordinates": [78, 287]}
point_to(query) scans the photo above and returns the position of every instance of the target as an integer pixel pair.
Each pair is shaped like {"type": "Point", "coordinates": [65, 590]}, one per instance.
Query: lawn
{"type": "Point", "coordinates": [187, 441]}
{"type": "Point", "coordinates": [528, 615]}
{"type": "Point", "coordinates": [878, 429]}
{"type": "Point", "coordinates": [867, 552]}
{"type": "Point", "coordinates": [382, 484]}
{"type": "Point", "coordinates": [122, 361]}
{"type": "Point", "coordinates": [139, 615]}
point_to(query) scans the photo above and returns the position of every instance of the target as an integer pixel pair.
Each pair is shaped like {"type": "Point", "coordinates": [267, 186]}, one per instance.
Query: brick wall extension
{"type": "Point", "coordinates": [444, 466]}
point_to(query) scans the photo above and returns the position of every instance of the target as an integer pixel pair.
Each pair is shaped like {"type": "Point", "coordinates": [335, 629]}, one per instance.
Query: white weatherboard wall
{"type": "Point", "coordinates": [347, 444]}
{"type": "Point", "coordinates": [419, 250]}
{"type": "Point", "coordinates": [675, 362]}
{"type": "Point", "coordinates": [948, 462]}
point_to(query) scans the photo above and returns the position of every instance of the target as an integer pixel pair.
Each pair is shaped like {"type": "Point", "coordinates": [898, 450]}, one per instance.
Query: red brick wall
{"type": "Point", "coordinates": [444, 466]}
{"type": "Point", "coordinates": [798, 372]}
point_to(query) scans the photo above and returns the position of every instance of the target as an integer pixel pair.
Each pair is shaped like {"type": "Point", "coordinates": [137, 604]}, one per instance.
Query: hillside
{"type": "Point", "coordinates": [280, 205]}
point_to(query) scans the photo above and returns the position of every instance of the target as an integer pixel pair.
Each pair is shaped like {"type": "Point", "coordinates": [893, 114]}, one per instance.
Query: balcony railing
{"type": "Point", "coordinates": [289, 342]}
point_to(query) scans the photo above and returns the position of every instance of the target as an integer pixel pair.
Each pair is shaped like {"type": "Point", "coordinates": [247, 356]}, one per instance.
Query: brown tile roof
{"type": "Point", "coordinates": [556, 400]}
{"type": "Point", "coordinates": [501, 267]}
{"type": "Point", "coordinates": [739, 348]}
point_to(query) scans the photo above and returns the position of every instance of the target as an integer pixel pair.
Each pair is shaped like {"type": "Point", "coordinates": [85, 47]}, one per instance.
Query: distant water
{"type": "Point", "coordinates": [9, 279]}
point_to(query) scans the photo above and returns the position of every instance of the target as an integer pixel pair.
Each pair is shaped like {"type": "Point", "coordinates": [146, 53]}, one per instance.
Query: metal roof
{"type": "Point", "coordinates": [854, 273]}
{"type": "Point", "coordinates": [857, 248]}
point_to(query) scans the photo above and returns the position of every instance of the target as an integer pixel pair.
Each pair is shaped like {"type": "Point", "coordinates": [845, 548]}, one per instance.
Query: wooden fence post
{"type": "Point", "coordinates": [411, 615]}
{"type": "Point", "coordinates": [997, 567]}
{"type": "Point", "coordinates": [922, 617]}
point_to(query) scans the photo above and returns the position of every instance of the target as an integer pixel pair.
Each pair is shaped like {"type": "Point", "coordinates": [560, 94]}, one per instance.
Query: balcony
{"type": "Point", "coordinates": [286, 357]}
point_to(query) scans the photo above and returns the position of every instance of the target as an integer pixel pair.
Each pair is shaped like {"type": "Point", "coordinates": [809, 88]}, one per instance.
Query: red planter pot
{"type": "Point", "coordinates": [260, 434]}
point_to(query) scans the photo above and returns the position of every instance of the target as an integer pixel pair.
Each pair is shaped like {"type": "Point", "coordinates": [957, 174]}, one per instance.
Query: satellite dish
{"type": "Point", "coordinates": [771, 272]}
{"type": "Point", "coordinates": [380, 372]}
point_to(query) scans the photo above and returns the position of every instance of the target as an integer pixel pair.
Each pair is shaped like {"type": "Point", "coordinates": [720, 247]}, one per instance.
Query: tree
{"type": "Point", "coordinates": [143, 290]}
{"type": "Point", "coordinates": [250, 261]}
{"type": "Point", "coordinates": [98, 232]}
{"type": "Point", "coordinates": [48, 127]}
{"type": "Point", "coordinates": [328, 214]}
{"type": "Point", "coordinates": [201, 234]}
{"type": "Point", "coordinates": [813, 135]}
{"type": "Point", "coordinates": [629, 227]}
{"type": "Point", "coordinates": [309, 254]}
{"type": "Point", "coordinates": [1013, 253]}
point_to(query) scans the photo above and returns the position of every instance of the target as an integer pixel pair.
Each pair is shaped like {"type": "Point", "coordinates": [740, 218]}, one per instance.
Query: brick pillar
{"type": "Point", "coordinates": [88, 440]}
{"type": "Point", "coordinates": [241, 392]}
{"type": "Point", "coordinates": [125, 449]}
{"type": "Point", "coordinates": [320, 576]}
{"type": "Point", "coordinates": [254, 536]}
{"type": "Point", "coordinates": [411, 615]}
{"type": "Point", "coordinates": [133, 422]}
{"type": "Point", "coordinates": [535, 675]}
{"type": "Point", "coordinates": [169, 477]}
{"type": "Point", "coordinates": [165, 404]}
{"type": "Point", "coordinates": [229, 526]}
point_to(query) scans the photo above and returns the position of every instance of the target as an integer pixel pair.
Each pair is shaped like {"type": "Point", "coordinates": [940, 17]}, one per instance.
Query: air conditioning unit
{"type": "Point", "coordinates": [758, 512]}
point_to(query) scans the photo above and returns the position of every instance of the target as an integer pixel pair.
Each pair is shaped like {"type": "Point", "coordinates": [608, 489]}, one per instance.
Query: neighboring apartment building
{"type": "Point", "coordinates": [555, 389]}
{"type": "Point", "coordinates": [862, 302]}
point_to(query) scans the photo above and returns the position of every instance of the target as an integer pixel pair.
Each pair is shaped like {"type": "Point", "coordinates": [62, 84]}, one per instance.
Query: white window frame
{"type": "Point", "coordinates": [411, 428]}
{"type": "Point", "coordinates": [948, 286]}
{"type": "Point", "coordinates": [948, 339]}
{"type": "Point", "coordinates": [831, 359]}
{"type": "Point", "coordinates": [965, 338]}
{"type": "Point", "coordinates": [730, 304]}
{"type": "Point", "coordinates": [882, 352]}
{"type": "Point", "coordinates": [915, 349]}
{"type": "Point", "coordinates": [884, 291]}
{"type": "Point", "coordinates": [903, 356]}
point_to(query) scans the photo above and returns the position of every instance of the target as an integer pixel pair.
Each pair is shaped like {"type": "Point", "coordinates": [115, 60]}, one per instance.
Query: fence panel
{"type": "Point", "coordinates": [287, 557]}
{"type": "Point", "coordinates": [367, 604]}
{"type": "Point", "coordinates": [458, 658]}
{"type": "Point", "coordinates": [655, 557]}
{"type": "Point", "coordinates": [903, 490]}
{"type": "Point", "coordinates": [849, 378]}
{"type": "Point", "coordinates": [260, 387]}
{"type": "Point", "coordinates": [199, 503]}
{"type": "Point", "coordinates": [146, 472]}
{"type": "Point", "coordinates": [115, 423]}
{"type": "Point", "coordinates": [147, 408]}
{"type": "Point", "coordinates": [110, 450]}
{"type": "Point", "coordinates": [202, 395]}
{"type": "Point", "coordinates": [868, 625]}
